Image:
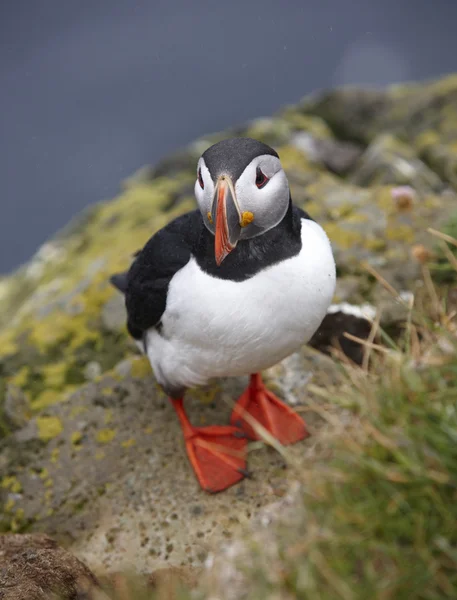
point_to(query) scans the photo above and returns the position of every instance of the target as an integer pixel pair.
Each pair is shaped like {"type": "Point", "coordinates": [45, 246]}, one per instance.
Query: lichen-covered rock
{"type": "Point", "coordinates": [90, 448]}
{"type": "Point", "coordinates": [387, 161]}
{"type": "Point", "coordinates": [424, 116]}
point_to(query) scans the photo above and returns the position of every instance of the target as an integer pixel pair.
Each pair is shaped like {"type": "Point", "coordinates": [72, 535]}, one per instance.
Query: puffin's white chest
{"type": "Point", "coordinates": [214, 327]}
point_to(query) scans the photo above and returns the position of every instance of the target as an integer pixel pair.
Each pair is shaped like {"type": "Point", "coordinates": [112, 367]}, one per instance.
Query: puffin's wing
{"type": "Point", "coordinates": [146, 282]}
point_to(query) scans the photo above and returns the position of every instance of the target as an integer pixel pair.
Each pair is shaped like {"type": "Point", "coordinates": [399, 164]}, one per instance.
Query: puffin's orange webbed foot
{"type": "Point", "coordinates": [216, 453]}
{"type": "Point", "coordinates": [279, 419]}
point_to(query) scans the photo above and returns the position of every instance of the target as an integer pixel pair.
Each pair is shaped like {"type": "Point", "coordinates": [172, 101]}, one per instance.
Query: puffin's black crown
{"type": "Point", "coordinates": [232, 156]}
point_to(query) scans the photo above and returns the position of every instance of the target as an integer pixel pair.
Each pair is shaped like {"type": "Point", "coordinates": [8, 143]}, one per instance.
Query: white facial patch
{"type": "Point", "coordinates": [205, 196]}
{"type": "Point", "coordinates": [269, 203]}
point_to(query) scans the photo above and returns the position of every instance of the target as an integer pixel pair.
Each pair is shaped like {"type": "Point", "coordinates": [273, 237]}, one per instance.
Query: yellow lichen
{"type": "Point", "coordinates": [54, 374]}
{"type": "Point", "coordinates": [76, 437]}
{"type": "Point", "coordinates": [44, 473]}
{"type": "Point", "coordinates": [45, 399]}
{"type": "Point", "coordinates": [108, 417]}
{"type": "Point", "coordinates": [99, 455]}
{"type": "Point", "coordinates": [105, 435]}
{"type": "Point", "coordinates": [20, 378]}
{"type": "Point", "coordinates": [11, 483]}
{"type": "Point", "coordinates": [55, 455]}
{"type": "Point", "coordinates": [316, 126]}
{"type": "Point", "coordinates": [400, 233]}
{"type": "Point", "coordinates": [128, 443]}
{"type": "Point", "coordinates": [17, 520]}
{"type": "Point", "coordinates": [292, 158]}
{"type": "Point", "coordinates": [48, 427]}
{"type": "Point", "coordinates": [20, 513]}
{"type": "Point", "coordinates": [141, 368]}
{"type": "Point", "coordinates": [148, 430]}
{"type": "Point", "coordinates": [9, 505]}
{"type": "Point", "coordinates": [426, 139]}
{"type": "Point", "coordinates": [8, 344]}
{"type": "Point", "coordinates": [342, 237]}
{"type": "Point", "coordinates": [375, 244]}
{"type": "Point", "coordinates": [77, 410]}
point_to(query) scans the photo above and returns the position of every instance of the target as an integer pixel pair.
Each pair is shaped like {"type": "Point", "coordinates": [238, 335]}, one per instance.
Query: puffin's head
{"type": "Point", "coordinates": [242, 191]}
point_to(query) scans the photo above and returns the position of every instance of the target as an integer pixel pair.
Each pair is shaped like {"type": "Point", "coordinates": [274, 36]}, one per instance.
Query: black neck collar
{"type": "Point", "coordinates": [252, 255]}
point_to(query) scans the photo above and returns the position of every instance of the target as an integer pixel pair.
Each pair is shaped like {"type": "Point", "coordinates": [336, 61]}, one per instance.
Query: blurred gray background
{"type": "Point", "coordinates": [91, 90]}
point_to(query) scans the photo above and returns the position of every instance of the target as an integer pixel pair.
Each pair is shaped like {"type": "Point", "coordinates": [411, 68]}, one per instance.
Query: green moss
{"type": "Point", "coordinates": [443, 272]}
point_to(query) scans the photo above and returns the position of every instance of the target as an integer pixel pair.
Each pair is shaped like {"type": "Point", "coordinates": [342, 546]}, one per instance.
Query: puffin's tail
{"type": "Point", "coordinates": [119, 280]}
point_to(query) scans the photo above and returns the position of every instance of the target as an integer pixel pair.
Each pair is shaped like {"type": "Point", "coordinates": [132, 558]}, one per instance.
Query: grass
{"type": "Point", "coordinates": [445, 255]}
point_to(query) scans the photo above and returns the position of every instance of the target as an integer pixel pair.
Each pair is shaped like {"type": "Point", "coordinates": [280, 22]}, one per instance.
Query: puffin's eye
{"type": "Point", "coordinates": [200, 179]}
{"type": "Point", "coordinates": [261, 179]}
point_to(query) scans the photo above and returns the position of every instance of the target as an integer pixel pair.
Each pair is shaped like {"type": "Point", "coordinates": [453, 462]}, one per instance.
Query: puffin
{"type": "Point", "coordinates": [229, 290]}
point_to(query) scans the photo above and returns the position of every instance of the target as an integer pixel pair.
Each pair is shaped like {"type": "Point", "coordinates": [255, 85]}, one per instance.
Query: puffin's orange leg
{"type": "Point", "coordinates": [280, 420]}
{"type": "Point", "coordinates": [217, 454]}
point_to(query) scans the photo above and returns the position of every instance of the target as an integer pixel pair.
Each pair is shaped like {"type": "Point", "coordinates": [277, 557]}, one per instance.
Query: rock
{"type": "Point", "coordinates": [337, 157]}
{"type": "Point", "coordinates": [345, 319]}
{"type": "Point", "coordinates": [387, 161]}
{"type": "Point", "coordinates": [103, 471]}
{"type": "Point", "coordinates": [113, 313]}
{"type": "Point", "coordinates": [34, 567]}
{"type": "Point", "coordinates": [422, 116]}
{"type": "Point", "coordinates": [16, 409]}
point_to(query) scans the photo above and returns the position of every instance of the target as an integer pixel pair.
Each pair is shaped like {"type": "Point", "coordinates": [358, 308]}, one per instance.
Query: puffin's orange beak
{"type": "Point", "coordinates": [226, 217]}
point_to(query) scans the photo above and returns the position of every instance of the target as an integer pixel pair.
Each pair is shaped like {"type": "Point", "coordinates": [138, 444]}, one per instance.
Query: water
{"type": "Point", "coordinates": [90, 91]}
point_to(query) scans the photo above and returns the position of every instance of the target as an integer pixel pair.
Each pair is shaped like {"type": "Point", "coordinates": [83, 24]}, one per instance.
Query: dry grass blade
{"type": "Point", "coordinates": [385, 284]}
{"type": "Point", "coordinates": [437, 306]}
{"type": "Point", "coordinates": [449, 255]}
{"type": "Point", "coordinates": [447, 238]}
{"type": "Point", "coordinates": [363, 342]}
{"type": "Point", "coordinates": [368, 347]}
